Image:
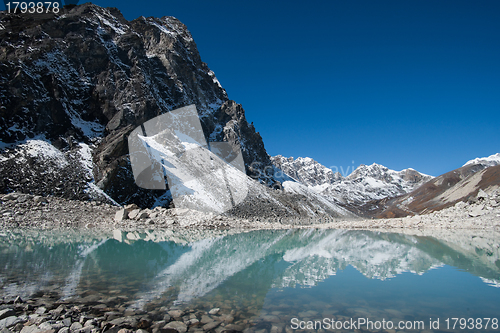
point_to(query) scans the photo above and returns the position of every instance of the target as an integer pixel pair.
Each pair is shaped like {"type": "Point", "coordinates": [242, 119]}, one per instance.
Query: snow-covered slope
{"type": "Point", "coordinates": [316, 204]}
{"type": "Point", "coordinates": [491, 160]}
{"type": "Point", "coordinates": [364, 184]}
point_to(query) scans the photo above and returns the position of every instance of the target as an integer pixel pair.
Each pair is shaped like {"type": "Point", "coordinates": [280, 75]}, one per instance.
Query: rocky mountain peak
{"type": "Point", "coordinates": [382, 173]}
{"type": "Point", "coordinates": [306, 170]}
{"type": "Point", "coordinates": [491, 160]}
{"type": "Point", "coordinates": [86, 77]}
{"type": "Point", "coordinates": [375, 170]}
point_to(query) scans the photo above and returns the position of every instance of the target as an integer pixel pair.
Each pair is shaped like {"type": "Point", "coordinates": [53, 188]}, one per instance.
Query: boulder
{"type": "Point", "coordinates": [9, 322]}
{"type": "Point", "coordinates": [481, 195]}
{"type": "Point", "coordinates": [121, 215]}
{"type": "Point", "coordinates": [176, 325]}
{"type": "Point", "coordinates": [7, 313]}
{"type": "Point", "coordinates": [11, 196]}
{"type": "Point", "coordinates": [476, 211]}
{"type": "Point", "coordinates": [134, 214]}
{"type": "Point", "coordinates": [214, 311]}
{"type": "Point", "coordinates": [40, 199]}
{"type": "Point", "coordinates": [131, 207]}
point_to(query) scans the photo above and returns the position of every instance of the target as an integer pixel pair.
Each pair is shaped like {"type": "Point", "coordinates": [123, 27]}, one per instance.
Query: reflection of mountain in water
{"type": "Point", "coordinates": [374, 255]}
{"type": "Point", "coordinates": [249, 263]}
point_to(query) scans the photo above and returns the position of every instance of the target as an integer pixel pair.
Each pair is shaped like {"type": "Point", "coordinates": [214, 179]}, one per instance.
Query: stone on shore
{"type": "Point", "coordinates": [121, 215]}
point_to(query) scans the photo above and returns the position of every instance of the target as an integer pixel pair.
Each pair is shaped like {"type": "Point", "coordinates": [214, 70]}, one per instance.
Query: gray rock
{"type": "Point", "coordinates": [11, 196]}
{"type": "Point", "coordinates": [7, 313]}
{"type": "Point", "coordinates": [472, 200]}
{"type": "Point", "coordinates": [214, 311]}
{"type": "Point", "coordinates": [143, 215]}
{"type": "Point", "coordinates": [175, 313]}
{"type": "Point", "coordinates": [57, 311]}
{"type": "Point", "coordinates": [134, 214]}
{"type": "Point", "coordinates": [23, 198]}
{"type": "Point", "coordinates": [131, 207]}
{"type": "Point", "coordinates": [481, 195]}
{"type": "Point", "coordinates": [9, 322]}
{"type": "Point", "coordinates": [40, 319]}
{"type": "Point", "coordinates": [176, 325]}
{"type": "Point", "coordinates": [233, 327]}
{"type": "Point", "coordinates": [211, 326]}
{"type": "Point", "coordinates": [121, 215]}
{"type": "Point", "coordinates": [75, 326]}
{"type": "Point", "coordinates": [125, 321]}
{"type": "Point", "coordinates": [192, 321]}
{"type": "Point", "coordinates": [45, 326]}
{"type": "Point", "coordinates": [476, 211]}
{"type": "Point", "coordinates": [66, 322]}
{"type": "Point", "coordinates": [41, 310]}
{"type": "Point", "coordinates": [87, 329]}
{"type": "Point", "coordinates": [57, 325]}
{"type": "Point", "coordinates": [206, 319]}
{"type": "Point", "coordinates": [40, 199]}
{"type": "Point", "coordinates": [31, 329]}
{"type": "Point", "coordinates": [64, 330]}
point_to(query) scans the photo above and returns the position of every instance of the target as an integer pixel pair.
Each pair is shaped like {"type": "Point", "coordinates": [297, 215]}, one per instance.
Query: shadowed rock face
{"type": "Point", "coordinates": [90, 76]}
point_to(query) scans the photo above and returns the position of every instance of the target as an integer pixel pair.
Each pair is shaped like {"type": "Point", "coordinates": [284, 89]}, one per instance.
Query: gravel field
{"type": "Point", "coordinates": [23, 210]}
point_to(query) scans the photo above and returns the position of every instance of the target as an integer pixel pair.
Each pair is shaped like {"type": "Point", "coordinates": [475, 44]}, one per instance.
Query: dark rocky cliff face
{"type": "Point", "coordinates": [85, 78]}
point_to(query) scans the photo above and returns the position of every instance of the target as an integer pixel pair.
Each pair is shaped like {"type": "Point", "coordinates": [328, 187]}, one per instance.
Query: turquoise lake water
{"type": "Point", "coordinates": [286, 278]}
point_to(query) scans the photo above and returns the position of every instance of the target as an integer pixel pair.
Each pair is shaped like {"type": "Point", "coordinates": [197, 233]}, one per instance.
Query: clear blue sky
{"type": "Point", "coordinates": [400, 83]}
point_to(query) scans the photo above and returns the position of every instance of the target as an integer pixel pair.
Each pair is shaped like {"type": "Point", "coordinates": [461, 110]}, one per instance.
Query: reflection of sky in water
{"type": "Point", "coordinates": [349, 272]}
{"type": "Point", "coordinates": [443, 292]}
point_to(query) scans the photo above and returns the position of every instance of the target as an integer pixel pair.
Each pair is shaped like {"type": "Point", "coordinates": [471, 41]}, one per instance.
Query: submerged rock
{"type": "Point", "coordinates": [177, 326]}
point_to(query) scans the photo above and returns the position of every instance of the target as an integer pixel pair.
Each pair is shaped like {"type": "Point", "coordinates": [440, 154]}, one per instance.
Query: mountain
{"type": "Point", "coordinates": [491, 160]}
{"type": "Point", "coordinates": [443, 191]}
{"type": "Point", "coordinates": [366, 183]}
{"type": "Point", "coordinates": [305, 170]}
{"type": "Point", "coordinates": [74, 85]}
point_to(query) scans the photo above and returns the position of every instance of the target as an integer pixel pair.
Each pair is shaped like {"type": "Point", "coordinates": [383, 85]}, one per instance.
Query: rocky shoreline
{"type": "Point", "coordinates": [28, 211]}
{"type": "Point", "coordinates": [46, 312]}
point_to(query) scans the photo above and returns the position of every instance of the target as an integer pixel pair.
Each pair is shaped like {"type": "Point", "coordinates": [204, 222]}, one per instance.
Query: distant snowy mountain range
{"type": "Point", "coordinates": [366, 183]}
{"type": "Point", "coordinates": [377, 191]}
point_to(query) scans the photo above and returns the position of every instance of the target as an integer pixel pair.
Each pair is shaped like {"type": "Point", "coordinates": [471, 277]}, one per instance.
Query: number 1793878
{"type": "Point", "coordinates": [33, 7]}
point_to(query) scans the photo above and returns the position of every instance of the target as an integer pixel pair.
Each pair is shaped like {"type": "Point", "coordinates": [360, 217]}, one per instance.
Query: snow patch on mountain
{"type": "Point", "coordinates": [42, 149]}
{"type": "Point", "coordinates": [491, 160]}
{"type": "Point", "coordinates": [74, 165]}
